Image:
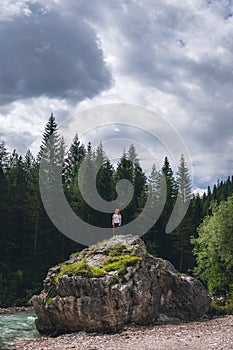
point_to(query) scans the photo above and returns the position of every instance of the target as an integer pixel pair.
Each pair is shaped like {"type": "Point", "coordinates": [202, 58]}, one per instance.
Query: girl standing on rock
{"type": "Point", "coordinates": [116, 218]}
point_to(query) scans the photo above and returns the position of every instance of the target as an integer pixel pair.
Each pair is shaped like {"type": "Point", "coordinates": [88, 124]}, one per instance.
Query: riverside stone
{"type": "Point", "coordinates": [112, 284]}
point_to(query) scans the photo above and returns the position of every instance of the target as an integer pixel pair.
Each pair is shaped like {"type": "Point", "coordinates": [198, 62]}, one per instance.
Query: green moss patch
{"type": "Point", "coordinates": [49, 301]}
{"type": "Point", "coordinates": [121, 263]}
{"type": "Point", "coordinates": [117, 249]}
{"type": "Point", "coordinates": [81, 269]}
{"type": "Point", "coordinates": [117, 260]}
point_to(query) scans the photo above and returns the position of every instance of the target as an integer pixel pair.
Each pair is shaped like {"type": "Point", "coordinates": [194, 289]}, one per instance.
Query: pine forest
{"type": "Point", "coordinates": [202, 244]}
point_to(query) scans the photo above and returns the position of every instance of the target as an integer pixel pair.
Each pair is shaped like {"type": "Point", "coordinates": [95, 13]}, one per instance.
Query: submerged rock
{"type": "Point", "coordinates": [112, 284]}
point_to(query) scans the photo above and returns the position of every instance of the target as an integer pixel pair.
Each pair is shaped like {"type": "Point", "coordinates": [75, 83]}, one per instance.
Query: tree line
{"type": "Point", "coordinates": [30, 243]}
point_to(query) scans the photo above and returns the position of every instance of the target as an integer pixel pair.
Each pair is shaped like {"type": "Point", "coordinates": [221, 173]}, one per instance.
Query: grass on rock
{"type": "Point", "coordinates": [118, 259]}
{"type": "Point", "coordinates": [82, 269]}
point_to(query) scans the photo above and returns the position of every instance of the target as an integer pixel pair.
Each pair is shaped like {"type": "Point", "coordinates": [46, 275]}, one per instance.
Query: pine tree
{"type": "Point", "coordinates": [129, 168]}
{"type": "Point", "coordinates": [72, 161]}
{"type": "Point", "coordinates": [100, 156]}
{"type": "Point", "coordinates": [152, 182]}
{"type": "Point", "coordinates": [166, 188]}
{"type": "Point", "coordinates": [105, 176]}
{"type": "Point", "coordinates": [171, 185]}
{"type": "Point", "coordinates": [4, 156]}
{"type": "Point", "coordinates": [83, 197]}
{"type": "Point", "coordinates": [197, 212]}
{"type": "Point", "coordinates": [184, 181]}
{"type": "Point", "coordinates": [182, 234]}
{"type": "Point", "coordinates": [104, 183]}
{"type": "Point", "coordinates": [139, 183]}
{"type": "Point", "coordinates": [125, 171]}
{"type": "Point", "coordinates": [151, 237]}
{"type": "Point", "coordinates": [139, 178]}
{"type": "Point", "coordinates": [29, 162]}
{"type": "Point", "coordinates": [132, 155]}
{"type": "Point", "coordinates": [51, 156]}
{"type": "Point", "coordinates": [50, 130]}
{"type": "Point", "coordinates": [62, 152]}
{"type": "Point", "coordinates": [34, 213]}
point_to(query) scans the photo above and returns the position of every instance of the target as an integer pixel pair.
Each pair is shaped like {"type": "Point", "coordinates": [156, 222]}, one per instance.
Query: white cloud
{"type": "Point", "coordinates": [199, 191]}
{"type": "Point", "coordinates": [10, 9]}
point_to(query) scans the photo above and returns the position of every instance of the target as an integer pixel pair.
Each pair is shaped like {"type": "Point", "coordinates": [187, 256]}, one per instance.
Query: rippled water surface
{"type": "Point", "coordinates": [16, 326]}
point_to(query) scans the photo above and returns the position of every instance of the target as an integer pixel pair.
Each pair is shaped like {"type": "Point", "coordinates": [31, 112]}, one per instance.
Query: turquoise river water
{"type": "Point", "coordinates": [16, 326]}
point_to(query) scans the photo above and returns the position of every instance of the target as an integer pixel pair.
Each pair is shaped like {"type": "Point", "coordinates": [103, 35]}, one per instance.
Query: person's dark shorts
{"type": "Point", "coordinates": [116, 224]}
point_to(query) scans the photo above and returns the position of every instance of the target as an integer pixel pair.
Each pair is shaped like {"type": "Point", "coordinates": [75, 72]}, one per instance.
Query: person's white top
{"type": "Point", "coordinates": [116, 218]}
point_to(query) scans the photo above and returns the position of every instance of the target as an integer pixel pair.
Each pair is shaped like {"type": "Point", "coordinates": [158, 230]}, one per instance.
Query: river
{"type": "Point", "coordinates": [16, 326]}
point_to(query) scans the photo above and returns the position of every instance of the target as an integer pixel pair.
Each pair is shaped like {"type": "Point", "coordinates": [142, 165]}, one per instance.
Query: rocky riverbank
{"type": "Point", "coordinates": [11, 310]}
{"type": "Point", "coordinates": [208, 334]}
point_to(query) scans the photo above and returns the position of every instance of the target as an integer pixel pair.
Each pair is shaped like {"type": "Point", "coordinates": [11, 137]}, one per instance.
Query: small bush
{"type": "Point", "coordinates": [221, 306]}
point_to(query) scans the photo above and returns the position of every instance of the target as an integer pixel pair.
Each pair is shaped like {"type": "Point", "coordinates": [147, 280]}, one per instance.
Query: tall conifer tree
{"type": "Point", "coordinates": [166, 187]}
{"type": "Point", "coordinates": [182, 234]}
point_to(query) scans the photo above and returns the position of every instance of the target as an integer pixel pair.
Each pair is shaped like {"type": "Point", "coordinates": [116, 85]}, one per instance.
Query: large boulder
{"type": "Point", "coordinates": [112, 284]}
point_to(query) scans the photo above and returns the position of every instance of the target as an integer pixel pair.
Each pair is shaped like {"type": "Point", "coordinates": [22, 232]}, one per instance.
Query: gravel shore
{"type": "Point", "coordinates": [216, 333]}
{"type": "Point", "coordinates": [13, 309]}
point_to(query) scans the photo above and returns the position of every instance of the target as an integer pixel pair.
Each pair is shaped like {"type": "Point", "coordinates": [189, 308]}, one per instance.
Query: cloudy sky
{"type": "Point", "coordinates": [173, 57]}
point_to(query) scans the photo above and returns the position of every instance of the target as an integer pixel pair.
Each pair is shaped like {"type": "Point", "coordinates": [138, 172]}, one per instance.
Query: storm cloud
{"type": "Point", "coordinates": [52, 54]}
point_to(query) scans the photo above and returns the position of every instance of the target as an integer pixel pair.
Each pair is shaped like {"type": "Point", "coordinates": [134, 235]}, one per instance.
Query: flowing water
{"type": "Point", "coordinates": [16, 326]}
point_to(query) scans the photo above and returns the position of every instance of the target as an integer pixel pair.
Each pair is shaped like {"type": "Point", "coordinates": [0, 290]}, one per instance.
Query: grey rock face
{"type": "Point", "coordinates": [112, 284]}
